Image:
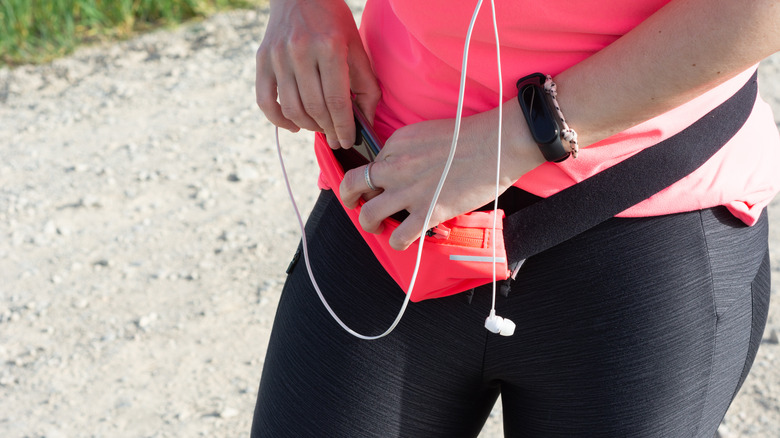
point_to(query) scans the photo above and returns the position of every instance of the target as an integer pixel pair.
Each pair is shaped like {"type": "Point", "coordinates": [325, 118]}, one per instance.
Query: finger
{"type": "Point", "coordinates": [373, 194]}
{"type": "Point", "coordinates": [334, 72]}
{"type": "Point", "coordinates": [354, 185]}
{"type": "Point", "coordinates": [266, 94]}
{"type": "Point", "coordinates": [314, 106]}
{"type": "Point", "coordinates": [287, 87]}
{"type": "Point", "coordinates": [374, 212]}
{"type": "Point", "coordinates": [333, 142]}
{"type": "Point", "coordinates": [309, 87]}
{"type": "Point", "coordinates": [363, 84]}
{"type": "Point", "coordinates": [407, 232]}
{"type": "Point", "coordinates": [292, 107]}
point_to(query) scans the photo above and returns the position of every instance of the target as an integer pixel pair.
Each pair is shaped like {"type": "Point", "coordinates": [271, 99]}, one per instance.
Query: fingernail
{"type": "Point", "coordinates": [346, 144]}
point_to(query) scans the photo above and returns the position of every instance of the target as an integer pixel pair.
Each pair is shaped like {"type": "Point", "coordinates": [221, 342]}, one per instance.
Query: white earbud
{"type": "Point", "coordinates": [497, 324]}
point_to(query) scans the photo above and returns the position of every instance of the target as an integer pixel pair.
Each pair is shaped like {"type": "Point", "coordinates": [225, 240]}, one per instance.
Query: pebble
{"type": "Point", "coordinates": [77, 168]}
{"type": "Point", "coordinates": [244, 173]}
{"type": "Point", "coordinates": [145, 322]}
{"type": "Point", "coordinates": [183, 415]}
{"type": "Point", "coordinates": [201, 194]}
{"type": "Point", "coordinates": [772, 337]}
{"type": "Point", "coordinates": [723, 432]}
{"type": "Point", "coordinates": [7, 380]}
{"type": "Point", "coordinates": [109, 336]}
{"type": "Point", "coordinates": [90, 201]}
{"type": "Point", "coordinates": [105, 263]}
{"type": "Point", "coordinates": [49, 228]}
{"type": "Point", "coordinates": [228, 412]}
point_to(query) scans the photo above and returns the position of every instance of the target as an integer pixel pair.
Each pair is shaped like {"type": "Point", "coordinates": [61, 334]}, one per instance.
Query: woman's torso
{"type": "Point", "coordinates": [416, 48]}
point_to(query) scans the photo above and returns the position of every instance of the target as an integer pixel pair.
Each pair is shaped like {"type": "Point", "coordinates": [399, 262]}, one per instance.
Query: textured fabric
{"type": "Point", "coordinates": [637, 328]}
{"type": "Point", "coordinates": [416, 49]}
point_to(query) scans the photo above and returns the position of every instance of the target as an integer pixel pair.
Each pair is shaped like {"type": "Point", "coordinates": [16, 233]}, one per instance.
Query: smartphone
{"type": "Point", "coordinates": [366, 139]}
{"type": "Point", "coordinates": [367, 144]}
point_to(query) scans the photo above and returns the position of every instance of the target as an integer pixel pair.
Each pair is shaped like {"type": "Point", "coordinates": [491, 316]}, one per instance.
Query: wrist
{"type": "Point", "coordinates": [520, 151]}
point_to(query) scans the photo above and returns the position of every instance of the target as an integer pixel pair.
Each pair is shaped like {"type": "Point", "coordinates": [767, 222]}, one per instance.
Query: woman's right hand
{"type": "Point", "coordinates": [310, 61]}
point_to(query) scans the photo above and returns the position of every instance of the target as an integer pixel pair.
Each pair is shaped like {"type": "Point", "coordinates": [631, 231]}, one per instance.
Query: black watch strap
{"type": "Point", "coordinates": [542, 119]}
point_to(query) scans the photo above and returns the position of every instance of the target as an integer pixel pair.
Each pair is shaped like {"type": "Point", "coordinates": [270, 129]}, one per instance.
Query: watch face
{"type": "Point", "coordinates": [538, 115]}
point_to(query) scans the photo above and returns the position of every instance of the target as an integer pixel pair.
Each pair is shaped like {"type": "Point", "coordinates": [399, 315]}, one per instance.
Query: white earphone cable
{"type": "Point", "coordinates": [498, 147]}
{"type": "Point", "coordinates": [308, 263]}
{"type": "Point", "coordinates": [453, 147]}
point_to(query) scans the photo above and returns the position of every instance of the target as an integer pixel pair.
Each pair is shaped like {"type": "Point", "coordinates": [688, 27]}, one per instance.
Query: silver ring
{"type": "Point", "coordinates": [367, 176]}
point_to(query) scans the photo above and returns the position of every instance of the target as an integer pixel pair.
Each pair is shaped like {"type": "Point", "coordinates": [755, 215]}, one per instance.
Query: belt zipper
{"type": "Point", "coordinates": [467, 237]}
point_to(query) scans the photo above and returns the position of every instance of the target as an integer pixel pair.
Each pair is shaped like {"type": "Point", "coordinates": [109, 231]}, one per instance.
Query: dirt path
{"type": "Point", "coordinates": [144, 232]}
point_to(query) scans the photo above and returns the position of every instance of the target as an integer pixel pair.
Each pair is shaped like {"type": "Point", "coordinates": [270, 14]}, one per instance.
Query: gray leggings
{"type": "Point", "coordinates": [636, 328]}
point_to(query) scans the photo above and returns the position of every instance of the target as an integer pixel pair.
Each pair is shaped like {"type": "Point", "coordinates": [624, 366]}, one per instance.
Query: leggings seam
{"type": "Point", "coordinates": [748, 363]}
{"type": "Point", "coordinates": [484, 356]}
{"type": "Point", "coordinates": [714, 329]}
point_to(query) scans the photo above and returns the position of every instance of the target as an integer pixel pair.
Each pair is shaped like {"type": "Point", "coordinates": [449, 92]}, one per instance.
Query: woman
{"type": "Point", "coordinates": [645, 325]}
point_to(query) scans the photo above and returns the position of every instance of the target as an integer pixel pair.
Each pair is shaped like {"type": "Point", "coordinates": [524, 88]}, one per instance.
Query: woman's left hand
{"type": "Point", "coordinates": [408, 168]}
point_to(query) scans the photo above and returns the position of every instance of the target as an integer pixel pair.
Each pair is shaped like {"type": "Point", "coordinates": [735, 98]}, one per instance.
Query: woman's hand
{"type": "Point", "coordinates": [310, 58]}
{"type": "Point", "coordinates": [409, 166]}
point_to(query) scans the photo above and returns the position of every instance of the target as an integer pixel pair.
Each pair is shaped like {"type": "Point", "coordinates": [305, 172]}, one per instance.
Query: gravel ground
{"type": "Point", "coordinates": [144, 232]}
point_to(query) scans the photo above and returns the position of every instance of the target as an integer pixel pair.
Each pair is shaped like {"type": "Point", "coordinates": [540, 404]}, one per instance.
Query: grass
{"type": "Point", "coordinates": [35, 31]}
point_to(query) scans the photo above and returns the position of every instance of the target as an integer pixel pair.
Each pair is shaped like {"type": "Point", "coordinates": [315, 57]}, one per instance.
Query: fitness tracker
{"type": "Point", "coordinates": [542, 118]}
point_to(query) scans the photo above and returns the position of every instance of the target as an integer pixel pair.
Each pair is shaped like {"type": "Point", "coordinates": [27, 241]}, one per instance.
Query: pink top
{"type": "Point", "coordinates": [416, 48]}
